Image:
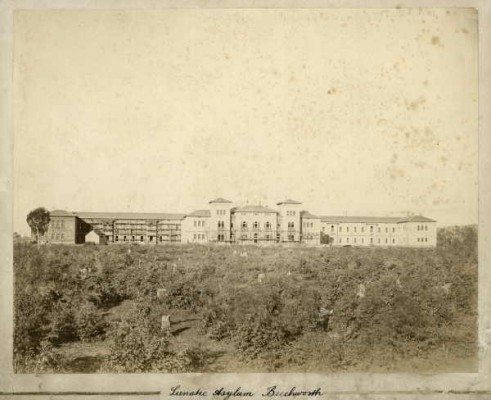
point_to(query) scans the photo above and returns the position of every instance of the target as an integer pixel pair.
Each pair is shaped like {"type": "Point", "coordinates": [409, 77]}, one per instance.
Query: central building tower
{"type": "Point", "coordinates": [289, 220]}
{"type": "Point", "coordinates": [220, 221]}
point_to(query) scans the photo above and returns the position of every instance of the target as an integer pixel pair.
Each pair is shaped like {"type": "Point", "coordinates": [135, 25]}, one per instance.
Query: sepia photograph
{"type": "Point", "coordinates": [245, 190]}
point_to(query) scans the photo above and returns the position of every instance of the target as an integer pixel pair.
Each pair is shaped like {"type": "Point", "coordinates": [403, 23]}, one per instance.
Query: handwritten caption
{"type": "Point", "coordinates": [226, 393]}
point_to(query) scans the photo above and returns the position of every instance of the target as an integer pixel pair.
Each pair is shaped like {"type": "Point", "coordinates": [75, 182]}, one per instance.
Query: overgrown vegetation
{"type": "Point", "coordinates": [394, 308]}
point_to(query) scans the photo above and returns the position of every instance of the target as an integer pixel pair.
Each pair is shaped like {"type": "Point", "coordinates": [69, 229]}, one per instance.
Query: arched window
{"type": "Point", "coordinates": [255, 225]}
{"type": "Point", "coordinates": [268, 225]}
{"type": "Point", "coordinates": [244, 225]}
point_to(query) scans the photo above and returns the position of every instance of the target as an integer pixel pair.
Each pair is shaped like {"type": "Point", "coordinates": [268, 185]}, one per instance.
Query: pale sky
{"type": "Point", "coordinates": [356, 112]}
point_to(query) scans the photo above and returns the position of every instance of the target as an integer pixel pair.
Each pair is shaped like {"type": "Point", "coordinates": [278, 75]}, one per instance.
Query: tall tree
{"type": "Point", "coordinates": [38, 220]}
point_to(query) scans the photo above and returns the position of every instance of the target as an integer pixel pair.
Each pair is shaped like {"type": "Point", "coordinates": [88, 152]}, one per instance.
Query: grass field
{"type": "Point", "coordinates": [96, 309]}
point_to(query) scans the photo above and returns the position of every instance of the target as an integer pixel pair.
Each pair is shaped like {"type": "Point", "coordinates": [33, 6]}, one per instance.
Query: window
{"type": "Point", "coordinates": [340, 229]}
{"type": "Point", "coordinates": [124, 238]}
{"type": "Point", "coordinates": [418, 239]}
{"type": "Point", "coordinates": [362, 240]}
{"type": "Point", "coordinates": [393, 230]}
{"type": "Point", "coordinates": [393, 240]}
{"type": "Point", "coordinates": [194, 236]}
{"type": "Point", "coordinates": [354, 229]}
{"type": "Point", "coordinates": [347, 229]}
{"type": "Point", "coordinates": [332, 228]}
{"type": "Point", "coordinates": [426, 239]}
{"type": "Point", "coordinates": [354, 240]}
{"type": "Point", "coordinates": [340, 240]}
{"type": "Point", "coordinates": [417, 228]}
{"type": "Point", "coordinates": [371, 229]}
{"type": "Point", "coordinates": [268, 226]}
{"type": "Point", "coordinates": [379, 240]}
{"type": "Point", "coordinates": [347, 240]}
{"type": "Point", "coordinates": [385, 240]}
{"type": "Point", "coordinates": [244, 225]}
{"type": "Point", "coordinates": [116, 238]}
{"type": "Point", "coordinates": [371, 240]}
{"type": "Point", "coordinates": [386, 230]}
{"type": "Point", "coordinates": [255, 225]}
{"type": "Point", "coordinates": [426, 227]}
{"type": "Point", "coordinates": [362, 229]}
{"type": "Point", "coordinates": [379, 229]}
{"type": "Point", "coordinates": [141, 238]}
{"type": "Point", "coordinates": [323, 229]}
{"type": "Point", "coordinates": [244, 237]}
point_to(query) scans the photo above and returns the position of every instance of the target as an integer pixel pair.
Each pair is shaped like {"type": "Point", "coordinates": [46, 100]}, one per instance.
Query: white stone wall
{"type": "Point", "coordinates": [385, 234]}
{"type": "Point", "coordinates": [261, 233]}
{"type": "Point", "coordinates": [311, 228]}
{"type": "Point", "coordinates": [195, 229]}
{"type": "Point", "coordinates": [289, 214]}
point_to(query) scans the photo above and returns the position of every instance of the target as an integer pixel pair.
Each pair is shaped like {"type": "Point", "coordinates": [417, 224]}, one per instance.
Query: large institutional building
{"type": "Point", "coordinates": [224, 223]}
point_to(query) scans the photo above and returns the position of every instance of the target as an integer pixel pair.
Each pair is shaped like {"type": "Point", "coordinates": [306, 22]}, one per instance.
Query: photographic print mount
{"type": "Point", "coordinates": [330, 384]}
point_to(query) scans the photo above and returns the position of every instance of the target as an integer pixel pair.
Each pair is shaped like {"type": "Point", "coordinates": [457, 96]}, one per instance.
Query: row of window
{"type": "Point", "coordinates": [142, 238]}
{"type": "Point", "coordinates": [58, 223]}
{"type": "Point", "coordinates": [199, 223]}
{"type": "Point", "coordinates": [422, 227]}
{"type": "Point", "coordinates": [308, 224]}
{"type": "Point", "coordinates": [255, 225]}
{"type": "Point", "coordinates": [362, 241]}
{"type": "Point", "coordinates": [423, 239]}
{"type": "Point", "coordinates": [221, 224]}
{"type": "Point", "coordinates": [221, 212]}
{"type": "Point", "coordinates": [57, 236]}
{"type": "Point", "coordinates": [290, 213]}
{"type": "Point", "coordinates": [362, 230]}
{"type": "Point", "coordinates": [199, 236]}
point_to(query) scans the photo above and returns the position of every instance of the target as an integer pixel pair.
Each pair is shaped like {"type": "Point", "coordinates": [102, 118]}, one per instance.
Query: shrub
{"type": "Point", "coordinates": [90, 323]}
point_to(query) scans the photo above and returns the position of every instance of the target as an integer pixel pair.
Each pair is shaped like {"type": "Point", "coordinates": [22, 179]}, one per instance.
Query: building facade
{"type": "Point", "coordinates": [223, 222]}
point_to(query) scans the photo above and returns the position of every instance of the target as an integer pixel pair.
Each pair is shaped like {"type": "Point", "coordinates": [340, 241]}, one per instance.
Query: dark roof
{"type": "Point", "coordinates": [393, 220]}
{"type": "Point", "coordinates": [416, 218]}
{"type": "Point", "coordinates": [219, 200]}
{"type": "Point", "coordinates": [200, 213]}
{"type": "Point", "coordinates": [61, 213]}
{"type": "Point", "coordinates": [306, 214]}
{"type": "Point", "coordinates": [256, 209]}
{"type": "Point", "coordinates": [289, 201]}
{"type": "Point", "coordinates": [128, 215]}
